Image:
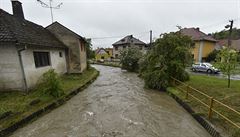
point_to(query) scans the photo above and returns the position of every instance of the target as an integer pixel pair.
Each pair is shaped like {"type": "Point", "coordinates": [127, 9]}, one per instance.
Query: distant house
{"type": "Point", "coordinates": [235, 44]}
{"type": "Point", "coordinates": [27, 50]}
{"type": "Point", "coordinates": [126, 42]}
{"type": "Point", "coordinates": [77, 57]}
{"type": "Point", "coordinates": [110, 52]}
{"type": "Point", "coordinates": [204, 44]}
{"type": "Point", "coordinates": [105, 54]}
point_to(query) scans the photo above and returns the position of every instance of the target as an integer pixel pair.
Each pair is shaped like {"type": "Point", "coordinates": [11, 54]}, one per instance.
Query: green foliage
{"type": "Point", "coordinates": [227, 62]}
{"type": "Point", "coordinates": [225, 33]}
{"type": "Point", "coordinates": [168, 58]}
{"type": "Point", "coordinates": [51, 84]}
{"type": "Point", "coordinates": [129, 59]}
{"type": "Point", "coordinates": [89, 50]}
{"type": "Point", "coordinates": [88, 65]}
{"type": "Point", "coordinates": [212, 56]}
{"type": "Point", "coordinates": [238, 57]}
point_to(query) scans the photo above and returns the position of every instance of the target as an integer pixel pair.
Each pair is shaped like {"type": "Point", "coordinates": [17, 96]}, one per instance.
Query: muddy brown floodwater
{"type": "Point", "coordinates": [116, 105]}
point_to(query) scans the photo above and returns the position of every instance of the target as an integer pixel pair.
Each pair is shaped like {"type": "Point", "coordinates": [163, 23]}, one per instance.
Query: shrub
{"type": "Point", "coordinates": [168, 58]}
{"type": "Point", "coordinates": [51, 84]}
{"type": "Point", "coordinates": [212, 56]}
{"type": "Point", "coordinates": [88, 65]}
{"type": "Point", "coordinates": [129, 59]}
{"type": "Point", "coordinates": [227, 63]}
{"type": "Point", "coordinates": [238, 57]}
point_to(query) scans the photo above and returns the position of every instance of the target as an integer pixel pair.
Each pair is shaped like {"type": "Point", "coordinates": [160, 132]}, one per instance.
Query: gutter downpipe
{"type": "Point", "coordinates": [22, 68]}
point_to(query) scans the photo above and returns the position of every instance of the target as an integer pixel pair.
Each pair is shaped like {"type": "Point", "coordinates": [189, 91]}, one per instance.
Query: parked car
{"type": "Point", "coordinates": [204, 67]}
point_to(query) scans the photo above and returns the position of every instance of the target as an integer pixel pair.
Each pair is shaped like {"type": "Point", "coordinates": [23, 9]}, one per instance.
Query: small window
{"type": "Point", "coordinates": [60, 54]}
{"type": "Point", "coordinates": [41, 59]}
{"type": "Point", "coordinates": [124, 47]}
{"type": "Point", "coordinates": [116, 48]}
{"type": "Point", "coordinates": [140, 47]}
{"type": "Point", "coordinates": [116, 55]}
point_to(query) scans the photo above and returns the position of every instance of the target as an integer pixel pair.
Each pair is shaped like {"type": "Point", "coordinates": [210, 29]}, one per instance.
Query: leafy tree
{"type": "Point", "coordinates": [50, 84]}
{"type": "Point", "coordinates": [227, 63]}
{"type": "Point", "coordinates": [129, 59]}
{"type": "Point", "coordinates": [168, 58]}
{"type": "Point", "coordinates": [225, 33]}
{"type": "Point", "coordinates": [212, 56]}
{"type": "Point", "coordinates": [89, 50]}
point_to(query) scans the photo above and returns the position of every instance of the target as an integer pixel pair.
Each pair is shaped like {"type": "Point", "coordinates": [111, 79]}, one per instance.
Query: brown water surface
{"type": "Point", "coordinates": [116, 105]}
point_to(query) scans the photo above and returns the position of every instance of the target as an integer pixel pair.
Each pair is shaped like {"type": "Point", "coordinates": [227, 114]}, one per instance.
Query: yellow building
{"type": "Point", "coordinates": [204, 44]}
{"type": "Point", "coordinates": [110, 52]}
{"type": "Point", "coordinates": [105, 54]}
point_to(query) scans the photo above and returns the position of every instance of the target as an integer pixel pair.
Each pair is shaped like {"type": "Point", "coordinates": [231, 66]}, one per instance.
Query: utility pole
{"type": "Point", "coordinates": [229, 45]}
{"type": "Point", "coordinates": [150, 44]}
{"type": "Point", "coordinates": [50, 6]}
{"type": "Point", "coordinates": [230, 32]}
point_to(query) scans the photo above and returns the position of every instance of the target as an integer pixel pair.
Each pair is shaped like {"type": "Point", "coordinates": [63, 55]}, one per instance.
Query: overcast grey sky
{"type": "Point", "coordinates": [107, 18]}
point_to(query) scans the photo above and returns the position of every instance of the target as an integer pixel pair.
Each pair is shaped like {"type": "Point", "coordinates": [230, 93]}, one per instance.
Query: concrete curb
{"type": "Point", "coordinates": [211, 130]}
{"type": "Point", "coordinates": [51, 106]}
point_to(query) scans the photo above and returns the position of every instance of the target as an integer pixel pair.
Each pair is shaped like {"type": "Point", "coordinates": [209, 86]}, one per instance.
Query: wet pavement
{"type": "Point", "coordinates": [116, 105]}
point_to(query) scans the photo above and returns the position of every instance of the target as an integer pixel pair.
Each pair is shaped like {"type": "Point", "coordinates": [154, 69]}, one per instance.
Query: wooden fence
{"type": "Point", "coordinates": [211, 105]}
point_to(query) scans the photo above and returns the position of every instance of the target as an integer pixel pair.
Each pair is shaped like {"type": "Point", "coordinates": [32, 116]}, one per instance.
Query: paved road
{"type": "Point", "coordinates": [116, 105]}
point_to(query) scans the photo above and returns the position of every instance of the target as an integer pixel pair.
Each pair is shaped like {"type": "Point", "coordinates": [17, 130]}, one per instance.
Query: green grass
{"type": "Point", "coordinates": [18, 103]}
{"type": "Point", "coordinates": [216, 88]}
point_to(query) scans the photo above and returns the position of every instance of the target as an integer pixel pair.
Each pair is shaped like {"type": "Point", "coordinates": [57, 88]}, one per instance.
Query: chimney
{"type": "Point", "coordinates": [17, 9]}
{"type": "Point", "coordinates": [197, 29]}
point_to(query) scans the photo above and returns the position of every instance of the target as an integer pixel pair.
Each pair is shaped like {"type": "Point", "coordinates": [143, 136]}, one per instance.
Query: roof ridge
{"type": "Point", "coordinates": [56, 22]}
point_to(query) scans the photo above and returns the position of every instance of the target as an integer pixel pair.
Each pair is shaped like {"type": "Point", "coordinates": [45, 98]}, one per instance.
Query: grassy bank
{"type": "Point", "coordinates": [19, 105]}
{"type": "Point", "coordinates": [216, 88]}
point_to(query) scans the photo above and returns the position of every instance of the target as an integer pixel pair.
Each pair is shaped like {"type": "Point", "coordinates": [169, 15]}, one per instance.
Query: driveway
{"type": "Point", "coordinates": [116, 105]}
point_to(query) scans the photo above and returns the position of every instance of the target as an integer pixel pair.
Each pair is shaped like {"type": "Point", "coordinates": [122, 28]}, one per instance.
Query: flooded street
{"type": "Point", "coordinates": [116, 105]}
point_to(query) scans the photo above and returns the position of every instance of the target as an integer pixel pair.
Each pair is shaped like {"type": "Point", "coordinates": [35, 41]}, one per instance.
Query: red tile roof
{"type": "Point", "coordinates": [235, 43]}
{"type": "Point", "coordinates": [196, 34]}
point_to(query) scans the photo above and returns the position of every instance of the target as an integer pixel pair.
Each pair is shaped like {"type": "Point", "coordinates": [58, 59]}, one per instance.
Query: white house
{"type": "Point", "coordinates": [126, 42]}
{"type": "Point", "coordinates": [27, 50]}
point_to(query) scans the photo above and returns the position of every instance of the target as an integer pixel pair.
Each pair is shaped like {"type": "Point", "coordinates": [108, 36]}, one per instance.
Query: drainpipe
{"type": "Point", "coordinates": [22, 68]}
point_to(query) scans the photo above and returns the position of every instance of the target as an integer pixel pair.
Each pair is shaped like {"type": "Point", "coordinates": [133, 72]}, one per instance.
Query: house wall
{"type": "Point", "coordinates": [208, 48]}
{"type": "Point", "coordinates": [77, 58]}
{"type": "Point", "coordinates": [202, 50]}
{"type": "Point", "coordinates": [99, 56]}
{"type": "Point", "coordinates": [33, 74]}
{"type": "Point", "coordinates": [10, 72]}
{"type": "Point", "coordinates": [83, 55]}
{"type": "Point", "coordinates": [120, 47]}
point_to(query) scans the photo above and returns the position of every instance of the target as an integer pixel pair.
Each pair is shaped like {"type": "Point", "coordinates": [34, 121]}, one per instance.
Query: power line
{"type": "Point", "coordinates": [118, 36]}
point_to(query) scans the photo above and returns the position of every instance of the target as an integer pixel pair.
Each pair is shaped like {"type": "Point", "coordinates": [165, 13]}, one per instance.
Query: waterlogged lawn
{"type": "Point", "coordinates": [18, 104]}
{"type": "Point", "coordinates": [216, 88]}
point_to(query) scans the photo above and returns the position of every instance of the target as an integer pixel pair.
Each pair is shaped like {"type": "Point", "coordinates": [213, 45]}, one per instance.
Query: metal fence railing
{"type": "Point", "coordinates": [207, 101]}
